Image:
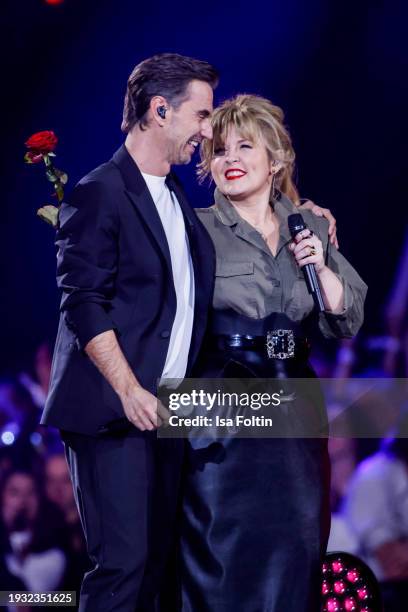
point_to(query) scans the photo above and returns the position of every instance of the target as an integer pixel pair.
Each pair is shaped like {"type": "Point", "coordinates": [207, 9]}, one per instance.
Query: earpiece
{"type": "Point", "coordinates": [161, 111]}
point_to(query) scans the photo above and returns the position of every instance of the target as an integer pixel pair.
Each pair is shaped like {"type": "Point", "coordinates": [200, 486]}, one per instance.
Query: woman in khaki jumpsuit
{"type": "Point", "coordinates": [256, 511]}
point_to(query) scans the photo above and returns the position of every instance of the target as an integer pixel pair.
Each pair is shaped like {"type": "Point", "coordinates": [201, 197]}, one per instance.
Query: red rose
{"type": "Point", "coordinates": [42, 142]}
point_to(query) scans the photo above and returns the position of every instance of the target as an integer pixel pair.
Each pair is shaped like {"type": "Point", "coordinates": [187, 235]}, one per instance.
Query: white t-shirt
{"type": "Point", "coordinates": [172, 220]}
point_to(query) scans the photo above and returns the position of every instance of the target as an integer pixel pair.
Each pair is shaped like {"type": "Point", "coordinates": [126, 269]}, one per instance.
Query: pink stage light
{"type": "Point", "coordinates": [348, 585]}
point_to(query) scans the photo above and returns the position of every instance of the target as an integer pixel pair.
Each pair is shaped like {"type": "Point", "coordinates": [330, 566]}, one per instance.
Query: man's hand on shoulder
{"type": "Point", "coordinates": [323, 212]}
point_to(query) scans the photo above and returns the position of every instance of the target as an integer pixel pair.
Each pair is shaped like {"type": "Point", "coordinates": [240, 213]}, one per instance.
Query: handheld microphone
{"type": "Point", "coordinates": [296, 225]}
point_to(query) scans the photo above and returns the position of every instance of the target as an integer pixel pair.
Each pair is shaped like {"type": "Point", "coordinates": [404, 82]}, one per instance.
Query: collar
{"type": "Point", "coordinates": [130, 171]}
{"type": "Point", "coordinates": [224, 210]}
{"type": "Point", "coordinates": [132, 175]}
{"type": "Point", "coordinates": [282, 206]}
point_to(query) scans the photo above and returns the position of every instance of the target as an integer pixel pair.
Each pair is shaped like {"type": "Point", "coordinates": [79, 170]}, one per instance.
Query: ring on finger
{"type": "Point", "coordinates": [312, 251]}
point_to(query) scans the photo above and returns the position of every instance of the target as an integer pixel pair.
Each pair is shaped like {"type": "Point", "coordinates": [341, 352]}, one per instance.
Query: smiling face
{"type": "Point", "coordinates": [190, 123]}
{"type": "Point", "coordinates": [241, 168]}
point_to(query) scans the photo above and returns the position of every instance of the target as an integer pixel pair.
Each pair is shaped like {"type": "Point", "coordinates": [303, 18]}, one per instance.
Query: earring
{"type": "Point", "coordinates": [276, 182]}
{"type": "Point", "coordinates": [274, 190]}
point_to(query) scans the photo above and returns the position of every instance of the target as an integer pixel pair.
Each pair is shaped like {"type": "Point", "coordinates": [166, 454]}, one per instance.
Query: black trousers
{"type": "Point", "coordinates": [127, 492]}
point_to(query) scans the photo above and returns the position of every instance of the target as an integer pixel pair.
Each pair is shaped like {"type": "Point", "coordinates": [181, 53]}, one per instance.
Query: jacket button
{"type": "Point", "coordinates": [165, 334]}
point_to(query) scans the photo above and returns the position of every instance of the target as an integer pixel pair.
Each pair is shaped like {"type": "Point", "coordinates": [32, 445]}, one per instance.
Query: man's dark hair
{"type": "Point", "coordinates": [167, 75]}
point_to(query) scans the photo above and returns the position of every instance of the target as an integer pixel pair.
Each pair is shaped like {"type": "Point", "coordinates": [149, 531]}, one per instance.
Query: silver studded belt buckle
{"type": "Point", "coordinates": [280, 344]}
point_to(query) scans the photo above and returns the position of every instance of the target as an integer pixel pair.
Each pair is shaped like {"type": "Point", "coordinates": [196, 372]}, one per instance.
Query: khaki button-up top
{"type": "Point", "coordinates": [253, 282]}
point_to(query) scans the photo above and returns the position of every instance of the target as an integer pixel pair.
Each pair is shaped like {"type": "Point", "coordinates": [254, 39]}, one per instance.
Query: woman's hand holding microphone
{"type": "Point", "coordinates": [308, 249]}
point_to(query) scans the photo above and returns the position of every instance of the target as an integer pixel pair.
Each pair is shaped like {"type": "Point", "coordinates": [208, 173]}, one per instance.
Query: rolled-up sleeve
{"type": "Point", "coordinates": [347, 323]}
{"type": "Point", "coordinates": [87, 242]}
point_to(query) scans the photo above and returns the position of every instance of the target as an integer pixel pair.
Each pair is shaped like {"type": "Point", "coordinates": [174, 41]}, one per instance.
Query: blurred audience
{"type": "Point", "coordinates": [37, 381]}
{"type": "Point", "coordinates": [58, 489]}
{"type": "Point", "coordinates": [41, 540]}
{"type": "Point", "coordinates": [31, 533]}
{"type": "Point", "coordinates": [376, 509]}
{"type": "Point", "coordinates": [18, 421]}
{"type": "Point", "coordinates": [343, 463]}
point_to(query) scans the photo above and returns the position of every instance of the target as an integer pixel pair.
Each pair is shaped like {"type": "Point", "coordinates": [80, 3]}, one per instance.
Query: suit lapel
{"type": "Point", "coordinates": [189, 216]}
{"type": "Point", "coordinates": [190, 221]}
{"type": "Point", "coordinates": [139, 195]}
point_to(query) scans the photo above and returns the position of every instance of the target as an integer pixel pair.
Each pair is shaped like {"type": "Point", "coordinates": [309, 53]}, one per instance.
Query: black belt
{"type": "Point", "coordinates": [277, 344]}
{"type": "Point", "coordinates": [276, 335]}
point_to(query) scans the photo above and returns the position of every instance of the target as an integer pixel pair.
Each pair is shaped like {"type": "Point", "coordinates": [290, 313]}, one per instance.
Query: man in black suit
{"type": "Point", "coordinates": [136, 268]}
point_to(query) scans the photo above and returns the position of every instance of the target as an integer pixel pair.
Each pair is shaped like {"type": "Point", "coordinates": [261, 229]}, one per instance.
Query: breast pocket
{"type": "Point", "coordinates": [226, 269]}
{"type": "Point", "coordinates": [234, 283]}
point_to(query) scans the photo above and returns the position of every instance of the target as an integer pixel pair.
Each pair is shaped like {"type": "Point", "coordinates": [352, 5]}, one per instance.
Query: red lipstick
{"type": "Point", "coordinates": [234, 173]}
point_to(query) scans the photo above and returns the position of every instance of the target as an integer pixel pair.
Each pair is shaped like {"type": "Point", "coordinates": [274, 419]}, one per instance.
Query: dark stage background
{"type": "Point", "coordinates": [338, 68]}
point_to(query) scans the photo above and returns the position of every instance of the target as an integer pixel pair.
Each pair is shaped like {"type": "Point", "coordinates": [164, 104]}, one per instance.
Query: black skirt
{"type": "Point", "coordinates": [256, 512]}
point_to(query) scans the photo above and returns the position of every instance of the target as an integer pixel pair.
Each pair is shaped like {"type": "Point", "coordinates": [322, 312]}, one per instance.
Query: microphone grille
{"type": "Point", "coordinates": [296, 224]}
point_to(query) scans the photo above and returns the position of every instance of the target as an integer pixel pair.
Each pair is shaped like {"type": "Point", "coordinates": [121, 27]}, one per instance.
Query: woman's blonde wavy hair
{"type": "Point", "coordinates": [256, 118]}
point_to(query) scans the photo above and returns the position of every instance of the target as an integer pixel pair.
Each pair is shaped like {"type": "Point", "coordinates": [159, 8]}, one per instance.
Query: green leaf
{"type": "Point", "coordinates": [49, 214]}
{"type": "Point", "coordinates": [59, 191]}
{"type": "Point", "coordinates": [63, 177]}
{"type": "Point", "coordinates": [51, 176]}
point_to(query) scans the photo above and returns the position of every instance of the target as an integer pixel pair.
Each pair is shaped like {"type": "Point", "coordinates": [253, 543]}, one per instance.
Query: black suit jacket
{"type": "Point", "coordinates": [114, 268]}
